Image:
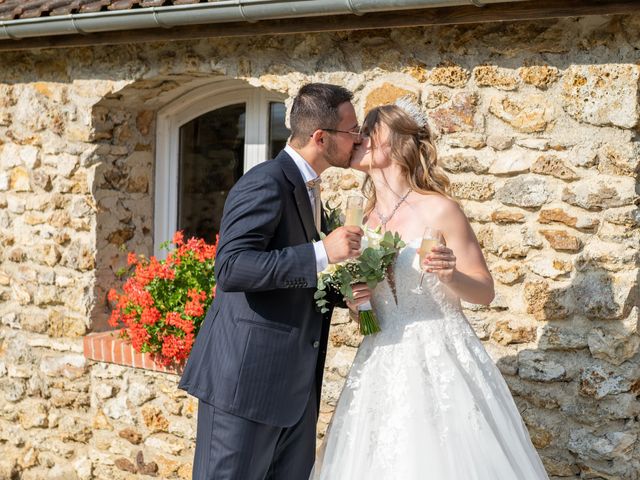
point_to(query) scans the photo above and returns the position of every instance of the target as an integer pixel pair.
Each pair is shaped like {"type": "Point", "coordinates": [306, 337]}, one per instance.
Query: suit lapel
{"type": "Point", "coordinates": [300, 193]}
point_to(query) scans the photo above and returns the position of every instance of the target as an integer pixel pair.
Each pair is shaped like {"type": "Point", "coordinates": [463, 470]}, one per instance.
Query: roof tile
{"type": "Point", "coordinates": [23, 9]}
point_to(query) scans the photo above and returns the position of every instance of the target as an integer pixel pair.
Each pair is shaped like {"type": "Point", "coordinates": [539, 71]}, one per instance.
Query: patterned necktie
{"type": "Point", "coordinates": [314, 187]}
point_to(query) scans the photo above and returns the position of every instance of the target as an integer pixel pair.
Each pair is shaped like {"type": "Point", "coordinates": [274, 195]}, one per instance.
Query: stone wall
{"type": "Point", "coordinates": [537, 125]}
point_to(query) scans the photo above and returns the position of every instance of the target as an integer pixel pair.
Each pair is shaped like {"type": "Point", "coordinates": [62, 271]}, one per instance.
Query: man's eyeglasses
{"type": "Point", "coordinates": [355, 133]}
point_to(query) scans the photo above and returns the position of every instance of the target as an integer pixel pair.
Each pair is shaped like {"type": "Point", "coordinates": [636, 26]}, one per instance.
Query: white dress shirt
{"type": "Point", "coordinates": [309, 174]}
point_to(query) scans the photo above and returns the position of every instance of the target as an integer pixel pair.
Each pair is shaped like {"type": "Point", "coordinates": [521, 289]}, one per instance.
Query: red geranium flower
{"type": "Point", "coordinates": [163, 302]}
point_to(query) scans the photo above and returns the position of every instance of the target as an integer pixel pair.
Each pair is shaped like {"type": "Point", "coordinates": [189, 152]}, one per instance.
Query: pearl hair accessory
{"type": "Point", "coordinates": [413, 109]}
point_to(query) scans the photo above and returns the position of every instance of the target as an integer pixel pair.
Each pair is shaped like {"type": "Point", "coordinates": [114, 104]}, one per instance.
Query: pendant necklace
{"type": "Point", "coordinates": [384, 219]}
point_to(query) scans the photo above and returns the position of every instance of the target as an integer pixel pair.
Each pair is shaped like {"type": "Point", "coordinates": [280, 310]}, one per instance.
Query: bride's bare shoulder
{"type": "Point", "coordinates": [437, 205]}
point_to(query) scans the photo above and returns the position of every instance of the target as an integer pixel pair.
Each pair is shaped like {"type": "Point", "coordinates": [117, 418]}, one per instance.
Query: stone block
{"type": "Point", "coordinates": [546, 301]}
{"type": "Point", "coordinates": [480, 190]}
{"type": "Point", "coordinates": [34, 415]}
{"type": "Point", "coordinates": [614, 159]}
{"type": "Point", "coordinates": [615, 346]}
{"type": "Point", "coordinates": [507, 332]}
{"type": "Point", "coordinates": [19, 180]}
{"type": "Point", "coordinates": [627, 216]}
{"type": "Point", "coordinates": [554, 166]}
{"type": "Point", "coordinates": [100, 421]}
{"type": "Point", "coordinates": [533, 143]}
{"type": "Point", "coordinates": [456, 116]}
{"type": "Point", "coordinates": [417, 70]}
{"type": "Point", "coordinates": [499, 142]}
{"type": "Point", "coordinates": [346, 334]}
{"type": "Point", "coordinates": [140, 393]}
{"type": "Point", "coordinates": [47, 254]}
{"type": "Point", "coordinates": [144, 120]}
{"type": "Point", "coordinates": [433, 98]}
{"type": "Point", "coordinates": [16, 204]}
{"type": "Point", "coordinates": [64, 163]}
{"type": "Point", "coordinates": [385, 94]}
{"type": "Point", "coordinates": [558, 215]}
{"type": "Point", "coordinates": [602, 94]}
{"type": "Point", "coordinates": [450, 75]}
{"type": "Point", "coordinates": [600, 194]}
{"type": "Point", "coordinates": [510, 163]}
{"type": "Point", "coordinates": [605, 447]}
{"type": "Point", "coordinates": [507, 216]}
{"type": "Point", "coordinates": [562, 241]}
{"type": "Point", "coordinates": [530, 114]}
{"type": "Point", "coordinates": [168, 444]}
{"type": "Point", "coordinates": [541, 76]}
{"type": "Point", "coordinates": [603, 295]}
{"type": "Point", "coordinates": [466, 140]}
{"type": "Point", "coordinates": [72, 428]}
{"type": "Point", "coordinates": [70, 366]}
{"type": "Point", "coordinates": [462, 163]}
{"type": "Point", "coordinates": [4, 181]}
{"type": "Point", "coordinates": [526, 192]}
{"type": "Point", "coordinates": [549, 266]}
{"type": "Point", "coordinates": [154, 419]}
{"type": "Point", "coordinates": [78, 256]}
{"type": "Point", "coordinates": [496, 77]}
{"type": "Point", "coordinates": [598, 382]}
{"type": "Point", "coordinates": [507, 273]}
{"type": "Point", "coordinates": [183, 428]}
{"type": "Point", "coordinates": [613, 257]}
{"type": "Point", "coordinates": [533, 365]}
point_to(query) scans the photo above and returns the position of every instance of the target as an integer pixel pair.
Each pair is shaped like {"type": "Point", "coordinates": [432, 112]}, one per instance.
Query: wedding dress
{"type": "Point", "coordinates": [423, 400]}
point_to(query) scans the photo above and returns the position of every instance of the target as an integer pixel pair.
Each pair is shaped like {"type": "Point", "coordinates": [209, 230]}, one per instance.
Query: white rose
{"type": "Point", "coordinates": [372, 239]}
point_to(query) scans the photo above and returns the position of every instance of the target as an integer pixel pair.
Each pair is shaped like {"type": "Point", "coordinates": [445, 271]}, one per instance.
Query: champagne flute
{"type": "Point", "coordinates": [355, 211]}
{"type": "Point", "coordinates": [431, 237]}
{"type": "Point", "coordinates": [354, 215]}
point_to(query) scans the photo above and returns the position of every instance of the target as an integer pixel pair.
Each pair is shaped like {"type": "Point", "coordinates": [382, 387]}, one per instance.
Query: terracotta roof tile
{"type": "Point", "coordinates": [22, 9]}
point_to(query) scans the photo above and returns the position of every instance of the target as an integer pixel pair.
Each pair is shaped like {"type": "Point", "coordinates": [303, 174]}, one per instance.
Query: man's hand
{"type": "Point", "coordinates": [343, 243]}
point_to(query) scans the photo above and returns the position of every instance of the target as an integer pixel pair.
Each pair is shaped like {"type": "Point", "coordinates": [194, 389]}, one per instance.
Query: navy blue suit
{"type": "Point", "coordinates": [257, 362]}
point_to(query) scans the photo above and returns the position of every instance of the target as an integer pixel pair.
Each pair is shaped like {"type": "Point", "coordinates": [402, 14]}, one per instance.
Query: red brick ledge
{"type": "Point", "coordinates": [108, 347]}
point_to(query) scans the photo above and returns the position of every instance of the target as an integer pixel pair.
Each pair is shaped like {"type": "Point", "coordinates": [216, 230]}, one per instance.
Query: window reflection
{"type": "Point", "coordinates": [211, 161]}
{"type": "Point", "coordinates": [278, 132]}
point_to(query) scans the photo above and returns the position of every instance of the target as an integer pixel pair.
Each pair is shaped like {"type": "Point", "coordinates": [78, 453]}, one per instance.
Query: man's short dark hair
{"type": "Point", "coordinates": [315, 107]}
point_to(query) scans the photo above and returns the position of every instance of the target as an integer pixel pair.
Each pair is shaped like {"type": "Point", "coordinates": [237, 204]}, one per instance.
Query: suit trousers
{"type": "Point", "coordinates": [229, 447]}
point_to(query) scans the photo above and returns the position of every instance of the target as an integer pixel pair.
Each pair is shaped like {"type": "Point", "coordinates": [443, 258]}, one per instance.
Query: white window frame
{"type": "Point", "coordinates": [182, 110]}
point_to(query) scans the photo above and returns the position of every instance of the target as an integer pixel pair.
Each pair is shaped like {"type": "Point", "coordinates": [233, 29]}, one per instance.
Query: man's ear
{"type": "Point", "coordinates": [318, 137]}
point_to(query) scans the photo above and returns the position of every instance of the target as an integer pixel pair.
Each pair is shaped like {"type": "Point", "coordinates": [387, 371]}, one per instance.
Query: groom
{"type": "Point", "coordinates": [257, 363]}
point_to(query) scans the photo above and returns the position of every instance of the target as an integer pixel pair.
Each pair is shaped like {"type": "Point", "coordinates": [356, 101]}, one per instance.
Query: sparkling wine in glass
{"type": "Point", "coordinates": [355, 211]}
{"type": "Point", "coordinates": [431, 237]}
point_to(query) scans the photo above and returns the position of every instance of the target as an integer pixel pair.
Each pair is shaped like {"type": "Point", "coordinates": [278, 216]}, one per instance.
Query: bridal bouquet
{"type": "Point", "coordinates": [374, 264]}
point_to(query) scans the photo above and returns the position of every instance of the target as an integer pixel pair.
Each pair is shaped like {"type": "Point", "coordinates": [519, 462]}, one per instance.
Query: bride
{"type": "Point", "coordinates": [423, 400]}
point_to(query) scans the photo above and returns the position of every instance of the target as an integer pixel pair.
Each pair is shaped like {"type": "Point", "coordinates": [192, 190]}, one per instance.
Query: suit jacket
{"type": "Point", "coordinates": [263, 343]}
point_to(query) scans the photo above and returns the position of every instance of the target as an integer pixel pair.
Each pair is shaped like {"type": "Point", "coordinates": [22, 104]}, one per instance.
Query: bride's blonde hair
{"type": "Point", "coordinates": [411, 148]}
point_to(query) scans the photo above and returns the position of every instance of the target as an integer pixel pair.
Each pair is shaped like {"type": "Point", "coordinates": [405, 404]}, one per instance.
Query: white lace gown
{"type": "Point", "coordinates": [423, 400]}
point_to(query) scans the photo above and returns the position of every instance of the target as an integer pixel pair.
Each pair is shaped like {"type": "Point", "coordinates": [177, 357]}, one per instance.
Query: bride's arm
{"type": "Point", "coordinates": [460, 265]}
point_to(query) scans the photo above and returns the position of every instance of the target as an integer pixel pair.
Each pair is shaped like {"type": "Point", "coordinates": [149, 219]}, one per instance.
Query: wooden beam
{"type": "Point", "coordinates": [503, 12]}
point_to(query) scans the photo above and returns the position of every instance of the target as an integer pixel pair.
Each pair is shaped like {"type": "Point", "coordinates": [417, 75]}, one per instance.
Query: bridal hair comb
{"type": "Point", "coordinates": [413, 109]}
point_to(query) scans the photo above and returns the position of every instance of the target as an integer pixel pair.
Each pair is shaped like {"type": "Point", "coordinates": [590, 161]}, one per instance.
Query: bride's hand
{"type": "Point", "coordinates": [442, 262]}
{"type": "Point", "coordinates": [361, 294]}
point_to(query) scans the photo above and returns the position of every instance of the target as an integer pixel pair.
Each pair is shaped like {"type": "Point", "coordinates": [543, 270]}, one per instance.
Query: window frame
{"type": "Point", "coordinates": [186, 108]}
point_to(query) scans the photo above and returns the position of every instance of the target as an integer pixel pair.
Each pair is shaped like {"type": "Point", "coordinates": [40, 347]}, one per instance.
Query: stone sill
{"type": "Point", "coordinates": [108, 347]}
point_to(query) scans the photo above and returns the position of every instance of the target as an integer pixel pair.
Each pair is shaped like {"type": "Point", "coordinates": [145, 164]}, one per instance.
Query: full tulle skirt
{"type": "Point", "coordinates": [423, 399]}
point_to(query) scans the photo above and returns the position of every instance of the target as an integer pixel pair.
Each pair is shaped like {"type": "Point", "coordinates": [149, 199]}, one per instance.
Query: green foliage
{"type": "Point", "coordinates": [333, 215]}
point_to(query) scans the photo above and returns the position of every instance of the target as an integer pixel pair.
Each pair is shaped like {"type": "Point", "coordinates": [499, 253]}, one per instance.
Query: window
{"type": "Point", "coordinates": [207, 139]}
